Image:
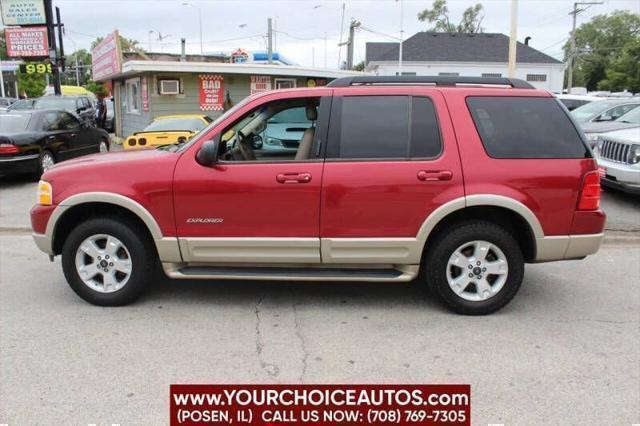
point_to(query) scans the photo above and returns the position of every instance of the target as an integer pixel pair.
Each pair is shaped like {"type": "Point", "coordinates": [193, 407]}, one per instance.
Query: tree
{"type": "Point", "coordinates": [96, 88]}
{"type": "Point", "coordinates": [84, 67]}
{"type": "Point", "coordinates": [128, 45]}
{"type": "Point", "coordinates": [32, 84]}
{"type": "Point", "coordinates": [605, 50]}
{"type": "Point", "coordinates": [438, 15]}
{"type": "Point", "coordinates": [359, 66]}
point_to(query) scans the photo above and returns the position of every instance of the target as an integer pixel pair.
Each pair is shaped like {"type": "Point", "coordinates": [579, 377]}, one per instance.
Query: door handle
{"type": "Point", "coordinates": [433, 175]}
{"type": "Point", "coordinates": [293, 177]}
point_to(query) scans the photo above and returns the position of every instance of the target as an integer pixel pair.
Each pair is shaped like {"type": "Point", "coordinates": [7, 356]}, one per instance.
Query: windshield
{"type": "Point", "coordinates": [587, 111]}
{"type": "Point", "coordinates": [632, 116]}
{"type": "Point", "coordinates": [217, 121]}
{"type": "Point", "coordinates": [167, 124]}
{"type": "Point", "coordinates": [13, 123]}
{"type": "Point", "coordinates": [21, 104]}
{"type": "Point", "coordinates": [55, 103]}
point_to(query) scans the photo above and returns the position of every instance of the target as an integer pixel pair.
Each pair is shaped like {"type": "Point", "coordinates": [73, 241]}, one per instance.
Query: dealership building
{"type": "Point", "coordinates": [147, 85]}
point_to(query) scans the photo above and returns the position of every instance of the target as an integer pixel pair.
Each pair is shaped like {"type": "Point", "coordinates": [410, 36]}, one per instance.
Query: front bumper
{"type": "Point", "coordinates": [19, 164]}
{"type": "Point", "coordinates": [625, 177]}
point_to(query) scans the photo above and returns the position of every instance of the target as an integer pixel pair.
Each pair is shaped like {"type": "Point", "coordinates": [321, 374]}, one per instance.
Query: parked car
{"type": "Point", "coordinates": [167, 129]}
{"type": "Point", "coordinates": [284, 132]}
{"type": "Point", "coordinates": [109, 121]}
{"type": "Point", "coordinates": [574, 101]}
{"type": "Point", "coordinates": [450, 184]}
{"type": "Point", "coordinates": [31, 141]}
{"type": "Point", "coordinates": [21, 104]}
{"type": "Point", "coordinates": [630, 120]}
{"type": "Point", "coordinates": [6, 103]}
{"type": "Point", "coordinates": [618, 154]}
{"type": "Point", "coordinates": [604, 110]}
{"type": "Point", "coordinates": [80, 106]}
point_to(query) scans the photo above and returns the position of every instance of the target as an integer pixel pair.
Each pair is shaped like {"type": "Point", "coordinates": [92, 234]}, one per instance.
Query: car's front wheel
{"type": "Point", "coordinates": [103, 146]}
{"type": "Point", "coordinates": [107, 261]}
{"type": "Point", "coordinates": [475, 269]}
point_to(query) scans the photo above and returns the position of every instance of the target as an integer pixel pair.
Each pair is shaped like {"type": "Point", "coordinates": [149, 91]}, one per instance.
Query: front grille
{"type": "Point", "coordinates": [615, 151]}
{"type": "Point", "coordinates": [290, 143]}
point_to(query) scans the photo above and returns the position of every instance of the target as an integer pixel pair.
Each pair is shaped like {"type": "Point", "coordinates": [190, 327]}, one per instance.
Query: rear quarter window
{"type": "Point", "coordinates": [525, 127]}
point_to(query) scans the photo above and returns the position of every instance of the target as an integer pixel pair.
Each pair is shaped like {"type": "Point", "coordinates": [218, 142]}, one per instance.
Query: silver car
{"type": "Point", "coordinates": [618, 155]}
{"type": "Point", "coordinates": [605, 110]}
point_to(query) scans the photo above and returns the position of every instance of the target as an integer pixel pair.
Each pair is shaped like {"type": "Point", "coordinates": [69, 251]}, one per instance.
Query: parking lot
{"type": "Point", "coordinates": [566, 348]}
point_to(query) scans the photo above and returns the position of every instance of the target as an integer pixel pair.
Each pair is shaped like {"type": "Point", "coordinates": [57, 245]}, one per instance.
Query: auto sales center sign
{"type": "Point", "coordinates": [27, 42]}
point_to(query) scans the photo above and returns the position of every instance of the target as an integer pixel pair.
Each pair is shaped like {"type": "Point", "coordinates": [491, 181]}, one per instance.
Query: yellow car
{"type": "Point", "coordinates": [167, 129]}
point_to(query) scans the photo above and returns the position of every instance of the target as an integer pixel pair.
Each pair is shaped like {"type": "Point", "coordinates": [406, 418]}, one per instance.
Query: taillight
{"type": "Point", "coordinates": [142, 141]}
{"type": "Point", "coordinates": [590, 192]}
{"type": "Point", "coordinates": [132, 142]}
{"type": "Point", "coordinates": [7, 148]}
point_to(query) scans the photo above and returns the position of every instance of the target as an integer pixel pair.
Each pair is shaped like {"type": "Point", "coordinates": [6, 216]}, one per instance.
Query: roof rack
{"type": "Point", "coordinates": [435, 80]}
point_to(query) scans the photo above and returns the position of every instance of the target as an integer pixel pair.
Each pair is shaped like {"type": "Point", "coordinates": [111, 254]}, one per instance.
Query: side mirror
{"type": "Point", "coordinates": [208, 153]}
{"type": "Point", "coordinates": [605, 118]}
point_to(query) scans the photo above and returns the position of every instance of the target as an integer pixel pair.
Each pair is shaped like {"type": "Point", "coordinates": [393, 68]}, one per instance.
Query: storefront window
{"type": "Point", "coordinates": [133, 95]}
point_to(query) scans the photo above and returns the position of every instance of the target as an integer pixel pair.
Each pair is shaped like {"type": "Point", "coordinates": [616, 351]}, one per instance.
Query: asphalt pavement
{"type": "Point", "coordinates": [566, 350]}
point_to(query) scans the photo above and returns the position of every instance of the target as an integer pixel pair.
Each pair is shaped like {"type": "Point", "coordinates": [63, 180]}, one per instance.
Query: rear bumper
{"type": "Point", "coordinates": [567, 247]}
{"type": "Point", "coordinates": [19, 164]}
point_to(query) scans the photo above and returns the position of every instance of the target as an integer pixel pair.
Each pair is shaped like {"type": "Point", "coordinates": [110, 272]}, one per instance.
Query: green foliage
{"type": "Point", "coordinates": [3, 46]}
{"type": "Point", "coordinates": [84, 67]}
{"type": "Point", "coordinates": [607, 52]}
{"type": "Point", "coordinates": [32, 84]}
{"type": "Point", "coordinates": [97, 88]}
{"type": "Point", "coordinates": [438, 15]}
{"type": "Point", "coordinates": [359, 66]}
{"type": "Point", "coordinates": [127, 44]}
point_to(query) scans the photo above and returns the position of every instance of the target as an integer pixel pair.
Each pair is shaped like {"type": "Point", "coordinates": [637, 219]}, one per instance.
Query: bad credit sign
{"type": "Point", "coordinates": [27, 42]}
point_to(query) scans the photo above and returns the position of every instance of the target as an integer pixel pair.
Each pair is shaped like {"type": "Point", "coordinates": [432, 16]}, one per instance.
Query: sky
{"type": "Point", "coordinates": [301, 25]}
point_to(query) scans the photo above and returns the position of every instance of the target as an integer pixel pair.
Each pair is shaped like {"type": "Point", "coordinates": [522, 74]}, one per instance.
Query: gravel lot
{"type": "Point", "coordinates": [566, 350]}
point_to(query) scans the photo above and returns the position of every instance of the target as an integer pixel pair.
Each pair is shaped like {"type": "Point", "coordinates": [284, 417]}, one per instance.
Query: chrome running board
{"type": "Point", "coordinates": [387, 273]}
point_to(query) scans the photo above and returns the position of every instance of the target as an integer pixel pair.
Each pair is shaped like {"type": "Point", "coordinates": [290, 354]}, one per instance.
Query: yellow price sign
{"type": "Point", "coordinates": [35, 68]}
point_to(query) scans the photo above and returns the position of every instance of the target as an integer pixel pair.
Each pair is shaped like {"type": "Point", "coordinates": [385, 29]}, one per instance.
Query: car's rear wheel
{"type": "Point", "coordinates": [107, 261]}
{"type": "Point", "coordinates": [475, 269]}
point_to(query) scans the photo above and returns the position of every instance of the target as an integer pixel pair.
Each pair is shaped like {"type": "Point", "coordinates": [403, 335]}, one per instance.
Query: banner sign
{"type": "Point", "coordinates": [27, 42]}
{"type": "Point", "coordinates": [36, 68]}
{"type": "Point", "coordinates": [144, 88]}
{"type": "Point", "coordinates": [23, 12]}
{"type": "Point", "coordinates": [211, 92]}
{"type": "Point", "coordinates": [260, 83]}
{"type": "Point", "coordinates": [320, 404]}
{"type": "Point", "coordinates": [105, 57]}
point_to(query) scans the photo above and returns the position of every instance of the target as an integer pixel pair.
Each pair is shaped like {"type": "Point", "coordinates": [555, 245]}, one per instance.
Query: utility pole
{"type": "Point", "coordinates": [350, 42]}
{"type": "Point", "coordinates": [513, 39]}
{"type": "Point", "coordinates": [53, 54]}
{"type": "Point", "coordinates": [572, 53]}
{"type": "Point", "coordinates": [269, 40]}
{"type": "Point", "coordinates": [401, 38]}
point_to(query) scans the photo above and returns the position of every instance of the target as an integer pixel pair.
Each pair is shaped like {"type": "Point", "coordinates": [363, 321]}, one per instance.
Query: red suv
{"type": "Point", "coordinates": [455, 182]}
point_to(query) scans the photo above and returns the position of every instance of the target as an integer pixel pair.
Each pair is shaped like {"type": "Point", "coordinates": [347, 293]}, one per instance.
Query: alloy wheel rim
{"type": "Point", "coordinates": [103, 146]}
{"type": "Point", "coordinates": [477, 270]}
{"type": "Point", "coordinates": [47, 161]}
{"type": "Point", "coordinates": [103, 263]}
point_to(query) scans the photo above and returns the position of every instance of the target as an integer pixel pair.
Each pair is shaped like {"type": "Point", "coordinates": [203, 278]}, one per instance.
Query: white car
{"type": "Point", "coordinates": [618, 155]}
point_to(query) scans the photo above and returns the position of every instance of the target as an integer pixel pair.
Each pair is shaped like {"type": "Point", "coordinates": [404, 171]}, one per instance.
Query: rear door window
{"type": "Point", "coordinates": [384, 127]}
{"type": "Point", "coordinates": [525, 127]}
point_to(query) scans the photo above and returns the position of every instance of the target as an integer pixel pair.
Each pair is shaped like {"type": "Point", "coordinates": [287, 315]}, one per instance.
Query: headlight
{"type": "Point", "coordinates": [634, 154]}
{"type": "Point", "coordinates": [45, 193]}
{"type": "Point", "coordinates": [274, 141]}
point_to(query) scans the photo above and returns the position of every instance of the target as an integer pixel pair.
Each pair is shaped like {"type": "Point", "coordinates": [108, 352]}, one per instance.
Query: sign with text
{"type": "Point", "coordinates": [211, 92]}
{"type": "Point", "coordinates": [260, 83]}
{"type": "Point", "coordinates": [36, 68]}
{"type": "Point", "coordinates": [23, 12]}
{"type": "Point", "coordinates": [144, 89]}
{"type": "Point", "coordinates": [27, 42]}
{"type": "Point", "coordinates": [105, 57]}
{"type": "Point", "coordinates": [320, 404]}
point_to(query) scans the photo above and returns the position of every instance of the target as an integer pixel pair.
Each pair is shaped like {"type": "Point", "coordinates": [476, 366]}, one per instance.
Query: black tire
{"type": "Point", "coordinates": [40, 168]}
{"type": "Point", "coordinates": [106, 141]}
{"type": "Point", "coordinates": [446, 243]}
{"type": "Point", "coordinates": [141, 251]}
